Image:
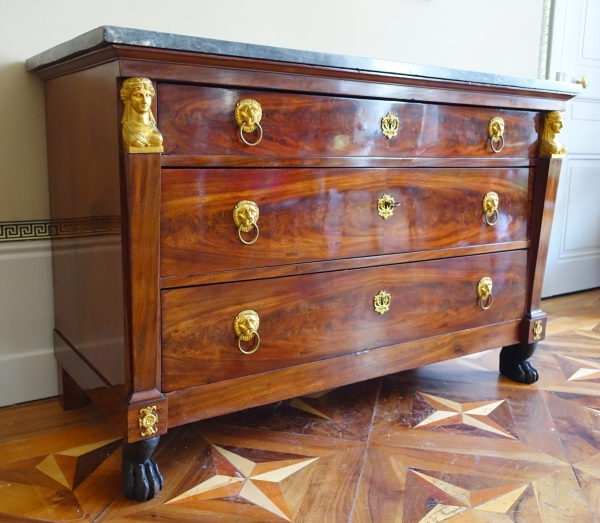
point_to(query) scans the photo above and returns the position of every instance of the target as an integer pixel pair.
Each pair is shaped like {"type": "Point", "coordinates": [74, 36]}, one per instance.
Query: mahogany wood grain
{"type": "Point", "coordinates": [200, 120]}
{"type": "Point", "coordinates": [310, 215]}
{"type": "Point", "coordinates": [312, 317]}
{"type": "Point", "coordinates": [304, 216]}
{"type": "Point", "coordinates": [442, 208]}
{"type": "Point", "coordinates": [173, 282]}
{"type": "Point", "coordinates": [83, 169]}
{"type": "Point", "coordinates": [222, 70]}
{"type": "Point", "coordinates": [259, 389]}
{"type": "Point", "coordinates": [141, 210]}
{"type": "Point", "coordinates": [190, 160]}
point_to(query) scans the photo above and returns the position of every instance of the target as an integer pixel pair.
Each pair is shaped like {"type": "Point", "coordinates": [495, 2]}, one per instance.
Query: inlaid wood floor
{"type": "Point", "coordinates": [452, 442]}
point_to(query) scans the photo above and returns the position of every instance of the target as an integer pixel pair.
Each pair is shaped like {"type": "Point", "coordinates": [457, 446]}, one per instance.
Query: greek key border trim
{"type": "Point", "coordinates": [47, 229]}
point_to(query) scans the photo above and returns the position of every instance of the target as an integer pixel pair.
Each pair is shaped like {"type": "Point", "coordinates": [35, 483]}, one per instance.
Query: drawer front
{"type": "Point", "coordinates": [312, 215]}
{"type": "Point", "coordinates": [198, 120]}
{"type": "Point", "coordinates": [313, 317]}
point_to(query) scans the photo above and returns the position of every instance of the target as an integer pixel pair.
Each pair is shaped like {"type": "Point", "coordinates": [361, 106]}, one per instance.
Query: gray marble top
{"type": "Point", "coordinates": [107, 35]}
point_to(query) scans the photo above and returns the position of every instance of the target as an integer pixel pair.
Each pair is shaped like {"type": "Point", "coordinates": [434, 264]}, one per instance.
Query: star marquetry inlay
{"type": "Point", "coordinates": [257, 483]}
{"type": "Point", "coordinates": [588, 370]}
{"type": "Point", "coordinates": [474, 414]}
{"type": "Point", "coordinates": [488, 504]}
{"type": "Point", "coordinates": [300, 404]}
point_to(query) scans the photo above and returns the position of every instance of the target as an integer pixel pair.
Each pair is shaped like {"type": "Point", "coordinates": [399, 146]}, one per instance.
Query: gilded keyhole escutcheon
{"type": "Point", "coordinates": [496, 133]}
{"type": "Point", "coordinates": [382, 302]}
{"type": "Point", "coordinates": [490, 208]}
{"type": "Point", "coordinates": [390, 125]}
{"type": "Point", "coordinates": [245, 216]}
{"type": "Point", "coordinates": [385, 206]}
{"type": "Point", "coordinates": [148, 421]}
{"type": "Point", "coordinates": [484, 293]}
{"type": "Point", "coordinates": [248, 114]}
{"type": "Point", "coordinates": [538, 329]}
{"type": "Point", "coordinates": [245, 326]}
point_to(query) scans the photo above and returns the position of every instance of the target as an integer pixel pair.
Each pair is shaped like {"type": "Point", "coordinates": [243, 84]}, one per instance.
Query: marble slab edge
{"type": "Point", "coordinates": [107, 35]}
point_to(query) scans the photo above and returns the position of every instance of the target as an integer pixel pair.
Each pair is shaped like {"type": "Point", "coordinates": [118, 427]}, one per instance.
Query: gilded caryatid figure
{"type": "Point", "coordinates": [550, 145]}
{"type": "Point", "coordinates": [140, 134]}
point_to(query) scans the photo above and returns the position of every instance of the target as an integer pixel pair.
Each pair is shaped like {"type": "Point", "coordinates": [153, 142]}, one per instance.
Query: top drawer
{"type": "Point", "coordinates": [198, 120]}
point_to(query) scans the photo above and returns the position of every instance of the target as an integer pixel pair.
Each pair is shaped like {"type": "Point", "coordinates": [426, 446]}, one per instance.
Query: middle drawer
{"type": "Point", "coordinates": [300, 215]}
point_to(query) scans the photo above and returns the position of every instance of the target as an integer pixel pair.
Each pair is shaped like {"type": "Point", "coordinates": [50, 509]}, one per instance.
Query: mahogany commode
{"type": "Point", "coordinates": [283, 222]}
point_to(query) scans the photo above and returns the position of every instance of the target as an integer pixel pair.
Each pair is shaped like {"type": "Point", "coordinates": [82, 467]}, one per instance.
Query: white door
{"type": "Point", "coordinates": [574, 251]}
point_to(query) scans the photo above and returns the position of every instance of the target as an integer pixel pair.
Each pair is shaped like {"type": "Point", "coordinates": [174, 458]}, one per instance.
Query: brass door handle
{"type": "Point", "coordinates": [385, 206]}
{"type": "Point", "coordinates": [245, 326]}
{"type": "Point", "coordinates": [245, 216]}
{"type": "Point", "coordinates": [496, 133]}
{"type": "Point", "coordinates": [583, 82]}
{"type": "Point", "coordinates": [484, 293]}
{"type": "Point", "coordinates": [248, 114]}
{"type": "Point", "coordinates": [490, 208]}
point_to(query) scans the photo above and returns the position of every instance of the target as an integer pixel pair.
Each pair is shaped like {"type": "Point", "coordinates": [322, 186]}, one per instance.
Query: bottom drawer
{"type": "Point", "coordinates": [317, 316]}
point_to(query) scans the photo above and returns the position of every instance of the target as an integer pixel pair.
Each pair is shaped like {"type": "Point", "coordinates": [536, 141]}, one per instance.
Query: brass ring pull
{"type": "Point", "coordinates": [490, 208]}
{"type": "Point", "coordinates": [248, 114]}
{"type": "Point", "coordinates": [260, 135]}
{"type": "Point", "coordinates": [484, 293]}
{"type": "Point", "coordinates": [245, 326]}
{"type": "Point", "coordinates": [255, 225]}
{"type": "Point", "coordinates": [254, 349]}
{"type": "Point", "coordinates": [245, 216]}
{"type": "Point", "coordinates": [491, 221]}
{"type": "Point", "coordinates": [501, 140]}
{"type": "Point", "coordinates": [496, 133]}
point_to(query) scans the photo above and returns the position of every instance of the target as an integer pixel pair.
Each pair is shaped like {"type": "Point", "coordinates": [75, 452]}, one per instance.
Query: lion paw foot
{"type": "Point", "coordinates": [521, 372]}
{"type": "Point", "coordinates": [141, 478]}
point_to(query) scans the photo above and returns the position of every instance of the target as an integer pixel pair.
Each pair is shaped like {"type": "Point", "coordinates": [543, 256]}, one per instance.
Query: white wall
{"type": "Point", "coordinates": [498, 37]}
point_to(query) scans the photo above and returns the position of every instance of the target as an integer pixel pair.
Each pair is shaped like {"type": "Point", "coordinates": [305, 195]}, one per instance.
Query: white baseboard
{"type": "Point", "coordinates": [26, 321]}
{"type": "Point", "coordinates": [27, 376]}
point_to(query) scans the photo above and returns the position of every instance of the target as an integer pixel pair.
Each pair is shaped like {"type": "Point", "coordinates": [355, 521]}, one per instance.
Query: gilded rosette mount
{"type": "Point", "coordinates": [148, 421]}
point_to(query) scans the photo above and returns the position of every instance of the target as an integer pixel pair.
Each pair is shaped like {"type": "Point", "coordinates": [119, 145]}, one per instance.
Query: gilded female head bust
{"type": "Point", "coordinates": [552, 126]}
{"type": "Point", "coordinates": [140, 133]}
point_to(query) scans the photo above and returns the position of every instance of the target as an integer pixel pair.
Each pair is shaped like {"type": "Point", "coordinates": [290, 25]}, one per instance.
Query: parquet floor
{"type": "Point", "coordinates": [452, 442]}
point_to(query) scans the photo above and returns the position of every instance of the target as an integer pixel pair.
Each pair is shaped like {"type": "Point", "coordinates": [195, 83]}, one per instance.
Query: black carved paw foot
{"type": "Point", "coordinates": [141, 478]}
{"type": "Point", "coordinates": [141, 481]}
{"type": "Point", "coordinates": [521, 372]}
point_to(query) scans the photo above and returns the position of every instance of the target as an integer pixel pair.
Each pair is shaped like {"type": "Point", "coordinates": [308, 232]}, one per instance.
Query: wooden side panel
{"type": "Point", "coordinates": [200, 120]}
{"type": "Point", "coordinates": [83, 165]}
{"type": "Point", "coordinates": [313, 317]}
{"type": "Point", "coordinates": [308, 215]}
